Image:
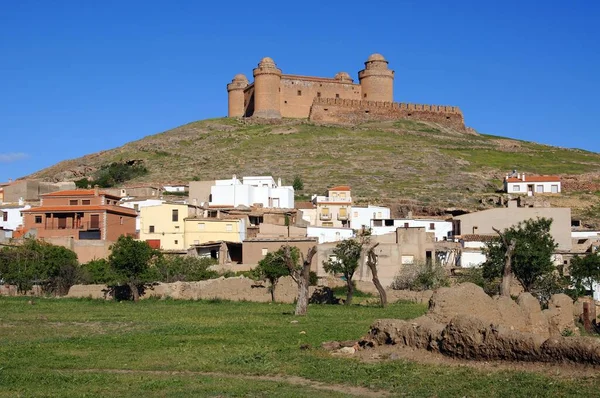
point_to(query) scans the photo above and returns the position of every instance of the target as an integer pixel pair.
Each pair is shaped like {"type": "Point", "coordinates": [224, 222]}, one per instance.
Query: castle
{"type": "Point", "coordinates": [331, 100]}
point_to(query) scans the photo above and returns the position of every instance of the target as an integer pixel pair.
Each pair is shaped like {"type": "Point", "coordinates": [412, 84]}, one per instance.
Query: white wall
{"type": "Point", "coordinates": [584, 234]}
{"type": "Point", "coordinates": [441, 228]}
{"type": "Point", "coordinates": [140, 204]}
{"type": "Point", "coordinates": [470, 259]}
{"type": "Point", "coordinates": [178, 188]}
{"type": "Point", "coordinates": [252, 191]}
{"type": "Point", "coordinates": [14, 217]}
{"type": "Point", "coordinates": [362, 216]}
{"type": "Point", "coordinates": [538, 187]}
{"type": "Point", "coordinates": [329, 234]}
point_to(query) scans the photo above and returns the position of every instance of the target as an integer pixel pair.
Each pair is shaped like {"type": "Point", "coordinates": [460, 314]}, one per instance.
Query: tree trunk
{"type": "Point", "coordinates": [372, 264]}
{"type": "Point", "coordinates": [134, 291]}
{"type": "Point", "coordinates": [302, 278]}
{"type": "Point", "coordinates": [507, 271]}
{"type": "Point", "coordinates": [272, 289]}
{"type": "Point", "coordinates": [349, 292]}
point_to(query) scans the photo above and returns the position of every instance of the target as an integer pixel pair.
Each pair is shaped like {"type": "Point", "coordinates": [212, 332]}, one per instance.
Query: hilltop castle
{"type": "Point", "coordinates": [332, 100]}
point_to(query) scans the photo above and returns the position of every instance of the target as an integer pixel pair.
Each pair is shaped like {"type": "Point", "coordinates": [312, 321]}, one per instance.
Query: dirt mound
{"type": "Point", "coordinates": [464, 322]}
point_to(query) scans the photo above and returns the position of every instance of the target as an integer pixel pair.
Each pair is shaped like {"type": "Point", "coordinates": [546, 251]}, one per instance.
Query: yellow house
{"type": "Point", "coordinates": [200, 230]}
{"type": "Point", "coordinates": [334, 210]}
{"type": "Point", "coordinates": [163, 226]}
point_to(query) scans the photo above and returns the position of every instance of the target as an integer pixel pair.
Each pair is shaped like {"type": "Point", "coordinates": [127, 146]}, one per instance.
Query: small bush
{"type": "Point", "coordinates": [313, 279]}
{"type": "Point", "coordinates": [420, 276]}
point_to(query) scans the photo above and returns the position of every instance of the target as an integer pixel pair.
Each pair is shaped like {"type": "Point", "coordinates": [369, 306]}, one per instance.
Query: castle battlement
{"type": "Point", "coordinates": [274, 94]}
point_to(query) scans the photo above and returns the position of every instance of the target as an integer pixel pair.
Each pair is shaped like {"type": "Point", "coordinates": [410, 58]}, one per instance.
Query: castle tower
{"type": "Point", "coordinates": [267, 80]}
{"type": "Point", "coordinates": [377, 80]}
{"type": "Point", "coordinates": [235, 91]}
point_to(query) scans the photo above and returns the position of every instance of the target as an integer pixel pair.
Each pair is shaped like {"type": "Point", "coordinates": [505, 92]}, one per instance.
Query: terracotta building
{"type": "Point", "coordinates": [274, 94]}
{"type": "Point", "coordinates": [80, 214]}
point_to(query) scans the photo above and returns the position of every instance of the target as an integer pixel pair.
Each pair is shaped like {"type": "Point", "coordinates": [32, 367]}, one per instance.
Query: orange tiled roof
{"type": "Point", "coordinates": [534, 179]}
{"type": "Point", "coordinates": [304, 205]}
{"type": "Point", "coordinates": [62, 209]}
{"type": "Point", "coordinates": [79, 192]}
{"type": "Point", "coordinates": [340, 188]}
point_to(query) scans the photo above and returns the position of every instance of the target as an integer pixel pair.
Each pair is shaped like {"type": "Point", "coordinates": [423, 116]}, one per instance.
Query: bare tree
{"type": "Point", "coordinates": [372, 264]}
{"type": "Point", "coordinates": [507, 269]}
{"type": "Point", "coordinates": [300, 273]}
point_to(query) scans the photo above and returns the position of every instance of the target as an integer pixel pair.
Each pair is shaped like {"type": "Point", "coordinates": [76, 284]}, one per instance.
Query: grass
{"type": "Point", "coordinates": [74, 348]}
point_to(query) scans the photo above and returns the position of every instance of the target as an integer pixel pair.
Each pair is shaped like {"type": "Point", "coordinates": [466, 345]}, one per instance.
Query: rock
{"type": "Point", "coordinates": [575, 349]}
{"type": "Point", "coordinates": [302, 332]}
{"type": "Point", "coordinates": [535, 320]}
{"type": "Point", "coordinates": [294, 321]}
{"type": "Point", "coordinates": [323, 295]}
{"type": "Point", "coordinates": [347, 350]}
{"type": "Point", "coordinates": [349, 343]}
{"type": "Point", "coordinates": [422, 332]}
{"type": "Point", "coordinates": [560, 315]}
{"type": "Point", "coordinates": [465, 298]}
{"type": "Point", "coordinates": [305, 347]}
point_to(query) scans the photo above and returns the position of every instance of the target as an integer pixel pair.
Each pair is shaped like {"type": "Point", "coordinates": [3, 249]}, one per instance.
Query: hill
{"type": "Point", "coordinates": [422, 166]}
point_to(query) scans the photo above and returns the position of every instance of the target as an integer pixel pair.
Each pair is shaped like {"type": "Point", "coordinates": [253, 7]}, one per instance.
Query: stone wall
{"type": "Point", "coordinates": [351, 112]}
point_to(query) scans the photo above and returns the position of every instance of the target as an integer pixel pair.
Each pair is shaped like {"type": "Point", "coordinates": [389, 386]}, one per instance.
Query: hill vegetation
{"type": "Point", "coordinates": [404, 163]}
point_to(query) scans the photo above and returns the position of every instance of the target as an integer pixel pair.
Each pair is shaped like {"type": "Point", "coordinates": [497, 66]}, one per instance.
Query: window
{"type": "Point", "coordinates": [175, 215]}
{"type": "Point", "coordinates": [85, 202]}
{"type": "Point", "coordinates": [201, 226]}
{"type": "Point", "coordinates": [328, 224]}
{"type": "Point", "coordinates": [4, 216]}
{"type": "Point", "coordinates": [378, 214]}
{"type": "Point", "coordinates": [337, 96]}
{"type": "Point", "coordinates": [355, 214]}
{"type": "Point", "coordinates": [108, 202]}
{"type": "Point", "coordinates": [554, 188]}
{"type": "Point", "coordinates": [228, 227]}
{"type": "Point", "coordinates": [343, 212]}
{"type": "Point", "coordinates": [318, 94]}
{"type": "Point", "coordinates": [516, 188]}
{"type": "Point", "coordinates": [38, 219]}
{"type": "Point", "coordinates": [377, 223]}
{"type": "Point", "coordinates": [389, 223]}
{"type": "Point", "coordinates": [432, 225]}
{"type": "Point", "coordinates": [265, 251]}
{"type": "Point", "coordinates": [176, 241]}
{"type": "Point", "coordinates": [406, 225]}
{"type": "Point", "coordinates": [365, 95]}
{"type": "Point", "coordinates": [343, 195]}
{"type": "Point", "coordinates": [539, 189]}
{"type": "Point", "coordinates": [94, 221]}
{"type": "Point", "coordinates": [73, 202]}
{"type": "Point", "coordinates": [299, 92]}
{"type": "Point", "coordinates": [151, 229]}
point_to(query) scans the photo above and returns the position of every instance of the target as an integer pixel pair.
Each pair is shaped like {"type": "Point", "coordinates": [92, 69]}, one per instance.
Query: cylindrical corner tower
{"type": "Point", "coordinates": [235, 90]}
{"type": "Point", "coordinates": [377, 80]}
{"type": "Point", "coordinates": [267, 81]}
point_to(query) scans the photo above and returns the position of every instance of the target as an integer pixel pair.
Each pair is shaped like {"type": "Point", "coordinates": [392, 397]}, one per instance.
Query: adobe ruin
{"type": "Point", "coordinates": [337, 100]}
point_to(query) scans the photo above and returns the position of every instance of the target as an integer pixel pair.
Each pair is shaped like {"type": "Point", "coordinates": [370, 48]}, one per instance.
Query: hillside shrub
{"type": "Point", "coordinates": [420, 276]}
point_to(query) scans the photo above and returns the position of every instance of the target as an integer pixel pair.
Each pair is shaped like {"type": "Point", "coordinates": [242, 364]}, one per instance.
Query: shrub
{"type": "Point", "coordinates": [420, 276]}
{"type": "Point", "coordinates": [172, 268]}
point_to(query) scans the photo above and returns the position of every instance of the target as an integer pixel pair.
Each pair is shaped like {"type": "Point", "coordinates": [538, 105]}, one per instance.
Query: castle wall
{"type": "Point", "coordinates": [298, 93]}
{"type": "Point", "coordinates": [341, 111]}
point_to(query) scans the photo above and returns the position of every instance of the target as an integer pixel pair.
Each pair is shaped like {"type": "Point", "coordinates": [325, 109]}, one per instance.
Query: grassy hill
{"type": "Point", "coordinates": [426, 165]}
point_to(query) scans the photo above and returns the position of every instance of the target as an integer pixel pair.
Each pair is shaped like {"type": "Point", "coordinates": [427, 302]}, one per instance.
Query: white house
{"type": "Point", "coordinates": [139, 204]}
{"type": "Point", "coordinates": [519, 183]}
{"type": "Point", "coordinates": [441, 229]}
{"type": "Point", "coordinates": [329, 234]}
{"type": "Point", "coordinates": [11, 217]}
{"type": "Point", "coordinates": [175, 188]}
{"type": "Point", "coordinates": [262, 191]}
{"type": "Point", "coordinates": [471, 253]}
{"type": "Point", "coordinates": [362, 216]}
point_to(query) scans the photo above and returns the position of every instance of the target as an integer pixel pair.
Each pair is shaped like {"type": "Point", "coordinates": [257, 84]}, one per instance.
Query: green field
{"type": "Point", "coordinates": [75, 348]}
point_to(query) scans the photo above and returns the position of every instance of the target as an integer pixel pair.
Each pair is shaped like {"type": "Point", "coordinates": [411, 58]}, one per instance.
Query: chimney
{"type": "Point", "coordinates": [21, 201]}
{"type": "Point", "coordinates": [523, 177]}
{"type": "Point", "coordinates": [96, 190]}
{"type": "Point", "coordinates": [279, 182]}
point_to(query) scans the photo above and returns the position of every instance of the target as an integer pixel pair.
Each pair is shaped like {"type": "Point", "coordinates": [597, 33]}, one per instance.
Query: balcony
{"type": "Point", "coordinates": [342, 217]}
{"type": "Point", "coordinates": [333, 199]}
{"type": "Point", "coordinates": [324, 217]}
{"type": "Point", "coordinates": [80, 226]}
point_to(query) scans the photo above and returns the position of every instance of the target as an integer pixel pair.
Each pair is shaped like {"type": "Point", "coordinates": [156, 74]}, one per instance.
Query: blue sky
{"type": "Point", "coordinates": [77, 77]}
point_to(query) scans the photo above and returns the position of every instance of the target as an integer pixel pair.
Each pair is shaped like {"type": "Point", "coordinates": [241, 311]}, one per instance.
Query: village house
{"type": "Point", "coordinates": [11, 216]}
{"type": "Point", "coordinates": [31, 191]}
{"type": "Point", "coordinates": [362, 216]}
{"type": "Point", "coordinates": [256, 249]}
{"type": "Point", "coordinates": [519, 183]}
{"type": "Point", "coordinates": [138, 191]}
{"type": "Point", "coordinates": [80, 214]}
{"type": "Point", "coordinates": [86, 221]}
{"type": "Point", "coordinates": [260, 191]}
{"type": "Point", "coordinates": [199, 192]}
{"type": "Point", "coordinates": [139, 203]}
{"type": "Point", "coordinates": [442, 229]}
{"type": "Point", "coordinates": [176, 188]}
{"type": "Point", "coordinates": [163, 226]}
{"type": "Point", "coordinates": [403, 247]}
{"type": "Point", "coordinates": [200, 230]}
{"type": "Point", "coordinates": [334, 210]}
